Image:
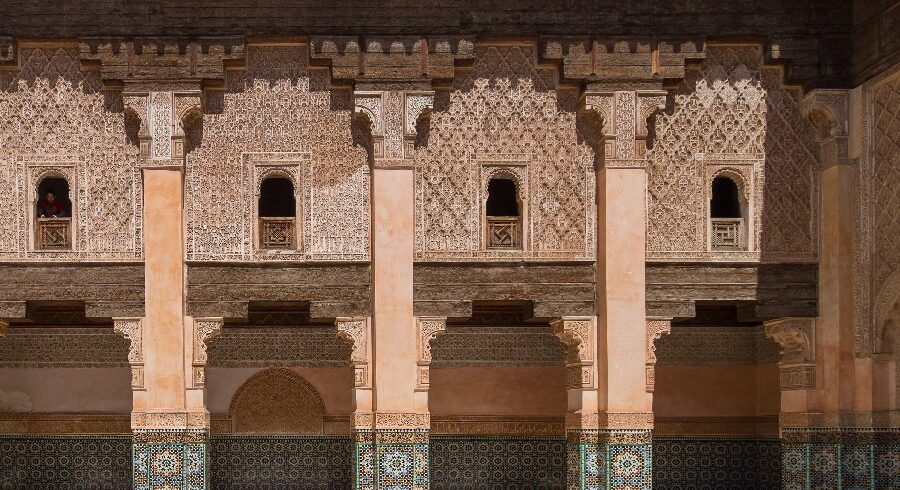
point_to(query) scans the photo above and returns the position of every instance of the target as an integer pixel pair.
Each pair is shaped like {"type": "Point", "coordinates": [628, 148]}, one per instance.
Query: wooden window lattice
{"type": "Point", "coordinates": [277, 233]}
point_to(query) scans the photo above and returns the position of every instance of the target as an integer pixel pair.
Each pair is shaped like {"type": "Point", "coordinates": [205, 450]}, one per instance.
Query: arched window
{"type": "Point", "coordinates": [726, 213]}
{"type": "Point", "coordinates": [53, 211]}
{"type": "Point", "coordinates": [503, 212]}
{"type": "Point", "coordinates": [277, 213]}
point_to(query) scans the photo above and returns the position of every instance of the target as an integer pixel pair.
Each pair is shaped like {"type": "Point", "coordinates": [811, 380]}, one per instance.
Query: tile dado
{"type": "Point", "coordinates": [486, 462]}
{"type": "Point", "coordinates": [69, 462]}
{"type": "Point", "coordinates": [716, 462]}
{"type": "Point", "coordinates": [310, 462]}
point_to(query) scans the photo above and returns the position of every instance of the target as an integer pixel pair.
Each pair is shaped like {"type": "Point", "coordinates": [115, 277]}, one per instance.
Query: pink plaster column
{"type": "Point", "coordinates": [399, 423]}
{"type": "Point", "coordinates": [168, 350]}
{"type": "Point", "coordinates": [625, 404]}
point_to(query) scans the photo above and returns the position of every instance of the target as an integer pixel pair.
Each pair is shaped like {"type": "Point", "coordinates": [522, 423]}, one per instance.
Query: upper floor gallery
{"type": "Point", "coordinates": [277, 141]}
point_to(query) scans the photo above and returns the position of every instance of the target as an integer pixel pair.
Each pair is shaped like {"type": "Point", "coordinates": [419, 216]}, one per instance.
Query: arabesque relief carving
{"type": "Point", "coordinates": [505, 107]}
{"type": "Point", "coordinates": [277, 107]}
{"type": "Point", "coordinates": [796, 338]}
{"type": "Point", "coordinates": [277, 401]}
{"type": "Point", "coordinates": [579, 335]}
{"type": "Point", "coordinates": [655, 330]}
{"type": "Point", "coordinates": [133, 330]}
{"type": "Point", "coordinates": [204, 330]}
{"type": "Point", "coordinates": [734, 109]}
{"type": "Point", "coordinates": [877, 258]}
{"type": "Point", "coordinates": [57, 123]}
{"type": "Point", "coordinates": [357, 332]}
{"type": "Point", "coordinates": [427, 329]}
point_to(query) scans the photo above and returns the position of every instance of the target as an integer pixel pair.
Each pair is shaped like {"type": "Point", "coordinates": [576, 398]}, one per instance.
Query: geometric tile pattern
{"type": "Point", "coordinates": [65, 462]}
{"type": "Point", "coordinates": [394, 459]}
{"type": "Point", "coordinates": [170, 465]}
{"type": "Point", "coordinates": [629, 466]}
{"type": "Point", "coordinates": [609, 459]}
{"type": "Point", "coordinates": [280, 462]}
{"type": "Point", "coordinates": [886, 464]}
{"type": "Point", "coordinates": [488, 462]}
{"type": "Point", "coordinates": [716, 462]}
{"type": "Point", "coordinates": [854, 465]}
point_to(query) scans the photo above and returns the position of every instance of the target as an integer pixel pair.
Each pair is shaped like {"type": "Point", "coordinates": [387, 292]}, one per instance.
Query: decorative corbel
{"type": "Point", "coordinates": [133, 330]}
{"type": "Point", "coordinates": [625, 115]}
{"type": "Point", "coordinates": [427, 329]}
{"type": "Point", "coordinates": [797, 342]}
{"type": "Point", "coordinates": [139, 104]}
{"type": "Point", "coordinates": [163, 116]}
{"type": "Point", "coordinates": [204, 330]}
{"type": "Point", "coordinates": [357, 332]}
{"type": "Point", "coordinates": [188, 112]}
{"type": "Point", "coordinates": [650, 103]}
{"type": "Point", "coordinates": [655, 330]}
{"type": "Point", "coordinates": [828, 111]}
{"type": "Point", "coordinates": [370, 105]}
{"type": "Point", "coordinates": [578, 334]}
{"type": "Point", "coordinates": [416, 117]}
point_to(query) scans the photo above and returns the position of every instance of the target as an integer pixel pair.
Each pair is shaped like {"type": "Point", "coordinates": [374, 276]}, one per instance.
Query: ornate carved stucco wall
{"type": "Point", "coordinates": [505, 113]}
{"type": "Point", "coordinates": [877, 265]}
{"type": "Point", "coordinates": [734, 115]}
{"type": "Point", "coordinates": [56, 122]}
{"type": "Point", "coordinates": [277, 118]}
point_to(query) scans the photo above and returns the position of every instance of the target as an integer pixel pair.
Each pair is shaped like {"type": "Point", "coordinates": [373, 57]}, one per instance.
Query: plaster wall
{"type": "Point", "coordinates": [515, 391]}
{"type": "Point", "coordinates": [716, 391]}
{"type": "Point", "coordinates": [82, 390]}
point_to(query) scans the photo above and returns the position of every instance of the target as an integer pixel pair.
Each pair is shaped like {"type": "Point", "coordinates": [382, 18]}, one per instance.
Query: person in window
{"type": "Point", "coordinates": [50, 207]}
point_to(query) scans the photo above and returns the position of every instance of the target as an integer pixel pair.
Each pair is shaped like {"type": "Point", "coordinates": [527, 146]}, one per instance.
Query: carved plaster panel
{"type": "Point", "coordinates": [715, 345]}
{"type": "Point", "coordinates": [282, 347]}
{"type": "Point", "coordinates": [497, 346]}
{"type": "Point", "coordinates": [56, 122]}
{"type": "Point", "coordinates": [427, 329]}
{"type": "Point", "coordinates": [357, 332]}
{"type": "Point", "coordinates": [279, 106]}
{"type": "Point", "coordinates": [655, 330]}
{"type": "Point", "coordinates": [76, 347]}
{"type": "Point", "coordinates": [736, 106]}
{"type": "Point", "coordinates": [579, 335]}
{"type": "Point", "coordinates": [828, 110]}
{"type": "Point", "coordinates": [797, 340]}
{"type": "Point", "coordinates": [204, 330]}
{"type": "Point", "coordinates": [133, 330]}
{"type": "Point", "coordinates": [277, 401]}
{"type": "Point", "coordinates": [505, 105]}
{"type": "Point", "coordinates": [877, 261]}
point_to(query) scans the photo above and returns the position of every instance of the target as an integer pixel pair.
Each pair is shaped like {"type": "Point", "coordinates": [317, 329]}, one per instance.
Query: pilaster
{"type": "Point", "coordinates": [624, 449]}
{"type": "Point", "coordinates": [391, 440]}
{"type": "Point", "coordinates": [168, 349]}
